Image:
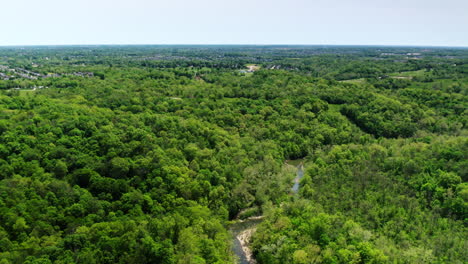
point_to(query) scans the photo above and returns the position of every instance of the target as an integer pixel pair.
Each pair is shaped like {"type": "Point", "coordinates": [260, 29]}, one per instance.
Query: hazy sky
{"type": "Point", "coordinates": [382, 22]}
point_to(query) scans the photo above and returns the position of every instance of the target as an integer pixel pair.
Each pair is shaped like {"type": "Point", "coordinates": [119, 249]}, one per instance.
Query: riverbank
{"type": "Point", "coordinates": [243, 229]}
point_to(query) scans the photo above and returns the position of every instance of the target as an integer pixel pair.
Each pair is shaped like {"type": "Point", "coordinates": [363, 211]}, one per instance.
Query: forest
{"type": "Point", "coordinates": [149, 154]}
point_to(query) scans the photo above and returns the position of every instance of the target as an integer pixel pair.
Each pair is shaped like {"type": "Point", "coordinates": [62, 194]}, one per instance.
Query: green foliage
{"type": "Point", "coordinates": [391, 189]}
{"type": "Point", "coordinates": [144, 154]}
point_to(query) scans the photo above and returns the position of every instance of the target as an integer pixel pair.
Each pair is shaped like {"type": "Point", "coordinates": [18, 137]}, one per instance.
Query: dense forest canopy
{"type": "Point", "coordinates": [146, 154]}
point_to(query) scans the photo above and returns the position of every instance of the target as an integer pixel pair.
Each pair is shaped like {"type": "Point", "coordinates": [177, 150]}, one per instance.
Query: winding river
{"type": "Point", "coordinates": [242, 230]}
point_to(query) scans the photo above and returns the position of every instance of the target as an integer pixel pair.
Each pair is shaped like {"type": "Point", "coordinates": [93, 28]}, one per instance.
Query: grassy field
{"type": "Point", "coordinates": [408, 74]}
{"type": "Point", "coordinates": [25, 92]}
{"type": "Point", "coordinates": [360, 80]}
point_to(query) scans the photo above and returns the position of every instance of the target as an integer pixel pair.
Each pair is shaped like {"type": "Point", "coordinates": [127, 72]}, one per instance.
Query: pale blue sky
{"type": "Point", "coordinates": [358, 22]}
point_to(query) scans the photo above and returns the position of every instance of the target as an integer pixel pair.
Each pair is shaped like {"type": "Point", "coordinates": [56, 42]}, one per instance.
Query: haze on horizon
{"type": "Point", "coordinates": [313, 22]}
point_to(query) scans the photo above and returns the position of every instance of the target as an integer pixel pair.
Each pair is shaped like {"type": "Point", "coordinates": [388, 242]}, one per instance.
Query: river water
{"type": "Point", "coordinates": [245, 227]}
{"type": "Point", "coordinates": [299, 175]}
{"type": "Point", "coordinates": [238, 229]}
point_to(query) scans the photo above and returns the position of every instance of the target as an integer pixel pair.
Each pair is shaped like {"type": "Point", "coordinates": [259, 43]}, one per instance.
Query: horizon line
{"type": "Point", "coordinates": [237, 44]}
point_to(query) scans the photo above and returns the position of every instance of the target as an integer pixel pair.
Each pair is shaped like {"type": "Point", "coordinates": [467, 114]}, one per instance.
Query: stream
{"type": "Point", "coordinates": [242, 230]}
{"type": "Point", "coordinates": [299, 175]}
